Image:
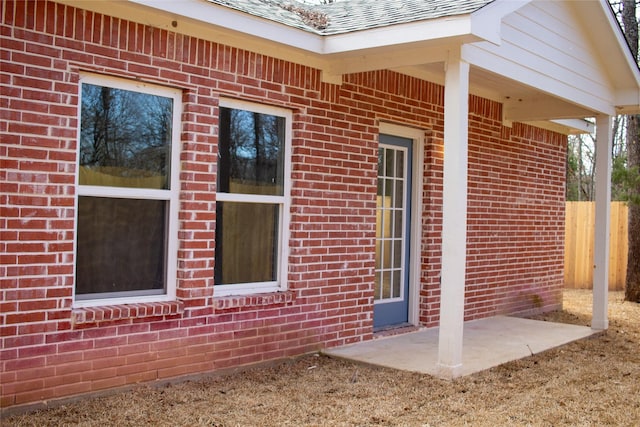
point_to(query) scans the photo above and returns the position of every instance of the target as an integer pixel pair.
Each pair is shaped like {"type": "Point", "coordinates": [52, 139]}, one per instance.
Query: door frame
{"type": "Point", "coordinates": [415, 267]}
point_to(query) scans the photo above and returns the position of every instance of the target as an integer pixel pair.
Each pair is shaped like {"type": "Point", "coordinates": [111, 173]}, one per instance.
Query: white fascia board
{"type": "Point", "coordinates": [161, 17]}
{"type": "Point", "coordinates": [565, 127]}
{"type": "Point", "coordinates": [487, 27]}
{"type": "Point", "coordinates": [459, 27]}
{"type": "Point", "coordinates": [576, 125]}
{"type": "Point", "coordinates": [501, 8]}
{"type": "Point", "coordinates": [241, 22]}
{"type": "Point", "coordinates": [436, 29]}
{"type": "Point", "coordinates": [215, 19]}
{"type": "Point", "coordinates": [486, 22]}
{"type": "Point", "coordinates": [622, 42]}
{"type": "Point", "coordinates": [212, 14]}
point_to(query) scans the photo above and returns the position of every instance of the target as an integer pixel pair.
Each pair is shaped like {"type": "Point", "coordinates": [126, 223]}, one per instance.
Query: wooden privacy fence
{"type": "Point", "coordinates": [579, 242]}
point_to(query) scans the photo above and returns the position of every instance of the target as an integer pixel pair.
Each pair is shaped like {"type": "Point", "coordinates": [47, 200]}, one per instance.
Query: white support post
{"type": "Point", "coordinates": [604, 136]}
{"type": "Point", "coordinates": [454, 216]}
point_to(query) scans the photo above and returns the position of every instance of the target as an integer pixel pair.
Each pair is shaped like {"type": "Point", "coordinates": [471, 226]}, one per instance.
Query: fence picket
{"type": "Point", "coordinates": [579, 237]}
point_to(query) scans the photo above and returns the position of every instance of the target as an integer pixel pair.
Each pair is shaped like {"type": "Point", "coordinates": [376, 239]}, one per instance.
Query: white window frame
{"type": "Point", "coordinates": [284, 202]}
{"type": "Point", "coordinates": [172, 195]}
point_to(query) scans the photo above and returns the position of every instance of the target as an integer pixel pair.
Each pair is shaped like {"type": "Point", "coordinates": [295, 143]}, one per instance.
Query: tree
{"type": "Point", "coordinates": [581, 167]}
{"type": "Point", "coordinates": [632, 291]}
{"type": "Point", "coordinates": [620, 178]}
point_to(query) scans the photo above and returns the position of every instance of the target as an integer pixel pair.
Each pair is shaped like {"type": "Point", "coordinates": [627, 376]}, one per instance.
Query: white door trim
{"type": "Point", "coordinates": [415, 265]}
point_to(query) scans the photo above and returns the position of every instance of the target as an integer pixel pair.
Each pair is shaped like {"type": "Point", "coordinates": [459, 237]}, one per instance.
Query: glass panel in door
{"type": "Point", "coordinates": [392, 232]}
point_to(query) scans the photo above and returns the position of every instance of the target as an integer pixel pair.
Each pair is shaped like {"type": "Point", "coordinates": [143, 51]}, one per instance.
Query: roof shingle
{"type": "Point", "coordinates": [351, 15]}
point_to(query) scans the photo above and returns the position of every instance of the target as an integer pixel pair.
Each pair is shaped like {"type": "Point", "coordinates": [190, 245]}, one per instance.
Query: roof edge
{"type": "Point", "coordinates": [486, 21]}
{"type": "Point", "coordinates": [237, 20]}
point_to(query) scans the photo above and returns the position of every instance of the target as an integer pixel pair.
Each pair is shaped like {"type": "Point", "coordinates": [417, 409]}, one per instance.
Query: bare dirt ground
{"type": "Point", "coordinates": [592, 382]}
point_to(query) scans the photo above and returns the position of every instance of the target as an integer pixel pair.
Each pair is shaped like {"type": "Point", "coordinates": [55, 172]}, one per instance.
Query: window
{"type": "Point", "coordinates": [252, 198]}
{"type": "Point", "coordinates": [127, 192]}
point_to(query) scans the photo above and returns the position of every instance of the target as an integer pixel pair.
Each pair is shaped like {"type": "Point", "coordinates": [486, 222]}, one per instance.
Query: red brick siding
{"type": "Point", "coordinates": [50, 350]}
{"type": "Point", "coordinates": [515, 216]}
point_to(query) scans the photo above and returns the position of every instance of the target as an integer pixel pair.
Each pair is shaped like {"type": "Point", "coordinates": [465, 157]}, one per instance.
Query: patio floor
{"type": "Point", "coordinates": [486, 343]}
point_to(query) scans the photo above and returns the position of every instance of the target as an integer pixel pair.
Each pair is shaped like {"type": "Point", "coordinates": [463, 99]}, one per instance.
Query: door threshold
{"type": "Point", "coordinates": [387, 331]}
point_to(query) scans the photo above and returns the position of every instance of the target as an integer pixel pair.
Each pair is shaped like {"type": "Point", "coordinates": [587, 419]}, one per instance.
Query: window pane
{"type": "Point", "coordinates": [246, 242]}
{"type": "Point", "coordinates": [397, 253]}
{"type": "Point", "coordinates": [250, 153]}
{"type": "Point", "coordinates": [397, 223]}
{"type": "Point", "coordinates": [121, 246]}
{"type": "Point", "coordinates": [388, 192]}
{"type": "Point", "coordinates": [399, 194]}
{"type": "Point", "coordinates": [396, 284]}
{"type": "Point", "coordinates": [125, 138]}
{"type": "Point", "coordinates": [386, 254]}
{"type": "Point", "coordinates": [400, 164]}
{"type": "Point", "coordinates": [389, 165]}
{"type": "Point", "coordinates": [386, 285]}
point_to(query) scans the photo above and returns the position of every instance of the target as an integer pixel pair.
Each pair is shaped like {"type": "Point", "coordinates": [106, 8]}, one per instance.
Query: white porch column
{"type": "Point", "coordinates": [454, 215]}
{"type": "Point", "coordinates": [604, 136]}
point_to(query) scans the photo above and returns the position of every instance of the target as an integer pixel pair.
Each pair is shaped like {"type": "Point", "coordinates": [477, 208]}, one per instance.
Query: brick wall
{"type": "Point", "coordinates": [51, 350]}
{"type": "Point", "coordinates": [515, 254]}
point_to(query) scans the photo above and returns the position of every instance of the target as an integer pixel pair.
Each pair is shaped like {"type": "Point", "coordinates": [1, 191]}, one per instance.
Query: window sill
{"type": "Point", "coordinates": [110, 313]}
{"type": "Point", "coordinates": [256, 300]}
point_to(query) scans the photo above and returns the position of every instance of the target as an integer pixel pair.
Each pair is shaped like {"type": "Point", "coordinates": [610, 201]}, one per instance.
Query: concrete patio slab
{"type": "Point", "coordinates": [486, 343]}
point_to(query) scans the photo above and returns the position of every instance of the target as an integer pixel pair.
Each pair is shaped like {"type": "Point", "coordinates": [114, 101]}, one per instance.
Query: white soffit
{"type": "Point", "coordinates": [417, 48]}
{"type": "Point", "coordinates": [520, 102]}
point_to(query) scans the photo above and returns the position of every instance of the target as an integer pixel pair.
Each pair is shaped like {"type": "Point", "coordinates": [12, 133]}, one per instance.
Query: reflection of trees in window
{"type": "Point", "coordinates": [122, 240]}
{"type": "Point", "coordinates": [127, 132]}
{"type": "Point", "coordinates": [250, 151]}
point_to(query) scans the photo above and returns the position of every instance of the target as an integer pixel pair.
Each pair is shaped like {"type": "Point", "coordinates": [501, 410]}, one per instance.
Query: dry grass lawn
{"type": "Point", "coordinates": [591, 382]}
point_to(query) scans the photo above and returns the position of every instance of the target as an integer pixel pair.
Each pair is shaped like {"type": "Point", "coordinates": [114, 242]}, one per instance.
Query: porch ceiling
{"type": "Point", "coordinates": [521, 103]}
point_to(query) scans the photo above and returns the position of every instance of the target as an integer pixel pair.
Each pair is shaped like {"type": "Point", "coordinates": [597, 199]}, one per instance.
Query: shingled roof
{"type": "Point", "coordinates": [351, 15]}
